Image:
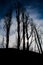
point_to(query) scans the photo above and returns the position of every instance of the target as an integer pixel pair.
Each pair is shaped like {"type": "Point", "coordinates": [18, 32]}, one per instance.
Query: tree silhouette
{"type": "Point", "coordinates": [27, 31]}
{"type": "Point", "coordinates": [18, 8]}
{"type": "Point", "coordinates": [7, 22]}
{"type": "Point", "coordinates": [36, 36]}
{"type": "Point", "coordinates": [26, 21]}
{"type": "Point", "coordinates": [23, 16]}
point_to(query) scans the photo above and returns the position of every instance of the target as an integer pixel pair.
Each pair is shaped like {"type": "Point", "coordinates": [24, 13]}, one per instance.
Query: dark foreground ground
{"type": "Point", "coordinates": [17, 52]}
{"type": "Point", "coordinates": [19, 56]}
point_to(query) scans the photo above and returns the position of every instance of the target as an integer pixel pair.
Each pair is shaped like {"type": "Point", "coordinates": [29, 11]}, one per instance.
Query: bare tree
{"type": "Point", "coordinates": [7, 22]}
{"type": "Point", "coordinates": [18, 8]}
{"type": "Point", "coordinates": [23, 14]}
{"type": "Point", "coordinates": [27, 31]}
{"type": "Point", "coordinates": [36, 36]}
{"type": "Point", "coordinates": [38, 39]}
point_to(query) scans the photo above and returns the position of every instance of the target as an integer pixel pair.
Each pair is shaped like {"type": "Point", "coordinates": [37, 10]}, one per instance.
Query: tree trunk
{"type": "Point", "coordinates": [27, 33]}
{"type": "Point", "coordinates": [38, 39]}
{"type": "Point", "coordinates": [23, 36]}
{"type": "Point", "coordinates": [7, 38]}
{"type": "Point", "coordinates": [23, 30]}
{"type": "Point", "coordinates": [18, 45]}
{"type": "Point", "coordinates": [18, 28]}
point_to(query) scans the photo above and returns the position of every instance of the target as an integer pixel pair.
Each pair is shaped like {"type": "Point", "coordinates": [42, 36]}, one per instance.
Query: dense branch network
{"type": "Point", "coordinates": [27, 22]}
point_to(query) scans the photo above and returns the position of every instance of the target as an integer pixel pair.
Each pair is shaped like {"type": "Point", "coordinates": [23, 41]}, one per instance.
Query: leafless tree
{"type": "Point", "coordinates": [7, 22]}
{"type": "Point", "coordinates": [18, 8]}
{"type": "Point", "coordinates": [35, 32]}
{"type": "Point", "coordinates": [23, 29]}
{"type": "Point", "coordinates": [26, 26]}
{"type": "Point", "coordinates": [36, 36]}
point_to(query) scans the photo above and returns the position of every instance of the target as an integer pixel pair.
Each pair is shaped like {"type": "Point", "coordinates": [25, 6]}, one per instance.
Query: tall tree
{"type": "Point", "coordinates": [23, 14]}
{"type": "Point", "coordinates": [37, 38]}
{"type": "Point", "coordinates": [18, 8]}
{"type": "Point", "coordinates": [27, 31]}
{"type": "Point", "coordinates": [7, 22]}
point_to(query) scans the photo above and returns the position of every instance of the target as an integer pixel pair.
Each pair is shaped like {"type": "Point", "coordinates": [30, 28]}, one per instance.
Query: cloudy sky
{"type": "Point", "coordinates": [35, 9]}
